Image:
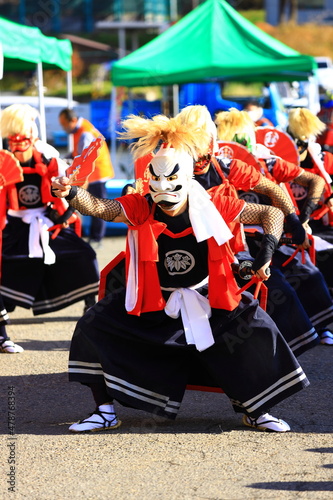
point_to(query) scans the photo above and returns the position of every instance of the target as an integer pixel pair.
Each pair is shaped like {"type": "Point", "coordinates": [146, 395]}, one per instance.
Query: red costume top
{"type": "Point", "coordinates": [278, 170]}
{"type": "Point", "coordinates": [222, 286]}
{"type": "Point", "coordinates": [8, 195]}
{"type": "Point", "coordinates": [236, 176]}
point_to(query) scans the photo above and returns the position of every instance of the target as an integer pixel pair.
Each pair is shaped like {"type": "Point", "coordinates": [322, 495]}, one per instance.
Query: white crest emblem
{"type": "Point", "coordinates": [29, 195]}
{"type": "Point", "coordinates": [271, 139]}
{"type": "Point", "coordinates": [178, 262]}
{"type": "Point", "coordinates": [226, 152]}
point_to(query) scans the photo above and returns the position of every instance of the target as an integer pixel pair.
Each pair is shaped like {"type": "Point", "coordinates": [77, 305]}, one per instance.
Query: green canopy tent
{"type": "Point", "coordinates": [25, 48]}
{"type": "Point", "coordinates": [56, 53]}
{"type": "Point", "coordinates": [1, 62]}
{"type": "Point", "coordinates": [211, 42]}
{"type": "Point", "coordinates": [21, 45]}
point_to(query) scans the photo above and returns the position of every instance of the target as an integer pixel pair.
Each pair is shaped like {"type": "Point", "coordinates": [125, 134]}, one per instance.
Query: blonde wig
{"type": "Point", "coordinates": [200, 117]}
{"type": "Point", "coordinates": [303, 123]}
{"type": "Point", "coordinates": [19, 119]}
{"type": "Point", "coordinates": [232, 122]}
{"type": "Point", "coordinates": [149, 133]}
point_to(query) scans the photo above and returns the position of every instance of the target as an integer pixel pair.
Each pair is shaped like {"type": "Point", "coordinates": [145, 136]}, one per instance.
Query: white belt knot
{"type": "Point", "coordinates": [39, 235]}
{"type": "Point", "coordinates": [195, 311]}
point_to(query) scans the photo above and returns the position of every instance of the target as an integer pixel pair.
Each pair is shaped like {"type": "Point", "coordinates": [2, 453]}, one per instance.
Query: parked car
{"type": "Point", "coordinates": [326, 115]}
{"type": "Point", "coordinates": [53, 105]}
{"type": "Point", "coordinates": [212, 95]}
{"type": "Point", "coordinates": [303, 94]}
{"type": "Point", "coordinates": [325, 73]}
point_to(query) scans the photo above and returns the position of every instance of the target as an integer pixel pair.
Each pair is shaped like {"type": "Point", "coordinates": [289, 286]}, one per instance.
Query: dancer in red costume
{"type": "Point", "coordinates": [10, 172]}
{"type": "Point", "coordinates": [6, 344]}
{"type": "Point", "coordinates": [229, 176]}
{"type": "Point", "coordinates": [305, 277]}
{"type": "Point", "coordinates": [181, 308]}
{"type": "Point", "coordinates": [304, 127]}
{"type": "Point", "coordinates": [36, 265]}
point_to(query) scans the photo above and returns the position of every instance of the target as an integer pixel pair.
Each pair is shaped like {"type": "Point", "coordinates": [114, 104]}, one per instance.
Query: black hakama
{"type": "Point", "coordinates": [146, 363]}
{"type": "Point", "coordinates": [30, 283]}
{"type": "Point", "coordinates": [309, 284]}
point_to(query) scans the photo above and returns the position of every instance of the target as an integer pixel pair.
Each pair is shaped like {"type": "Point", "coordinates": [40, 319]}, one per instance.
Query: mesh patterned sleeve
{"type": "Point", "coordinates": [314, 183]}
{"type": "Point", "coordinates": [270, 218]}
{"type": "Point", "coordinates": [276, 194]}
{"type": "Point", "coordinates": [316, 186]}
{"type": "Point", "coordinates": [87, 204]}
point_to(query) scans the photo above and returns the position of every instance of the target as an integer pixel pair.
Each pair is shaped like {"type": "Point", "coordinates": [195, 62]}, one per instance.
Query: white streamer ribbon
{"type": "Point", "coordinates": [39, 236]}
{"type": "Point", "coordinates": [315, 151]}
{"type": "Point", "coordinates": [205, 219]}
{"type": "Point", "coordinates": [132, 278]}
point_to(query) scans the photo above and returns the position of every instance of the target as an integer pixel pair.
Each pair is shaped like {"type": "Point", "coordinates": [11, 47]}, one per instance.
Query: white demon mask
{"type": "Point", "coordinates": [171, 174]}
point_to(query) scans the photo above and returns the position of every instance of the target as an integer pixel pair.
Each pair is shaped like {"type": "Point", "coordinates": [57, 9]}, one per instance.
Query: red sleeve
{"type": "Point", "coordinates": [3, 209]}
{"type": "Point", "coordinates": [136, 208]}
{"type": "Point", "coordinates": [328, 162]}
{"type": "Point", "coordinates": [284, 171]}
{"type": "Point", "coordinates": [53, 169]}
{"type": "Point", "coordinates": [243, 176]}
{"type": "Point", "coordinates": [229, 207]}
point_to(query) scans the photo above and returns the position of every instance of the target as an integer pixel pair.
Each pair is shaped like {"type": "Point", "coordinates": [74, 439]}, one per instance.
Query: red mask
{"type": "Point", "coordinates": [202, 164]}
{"type": "Point", "coordinates": [19, 143]}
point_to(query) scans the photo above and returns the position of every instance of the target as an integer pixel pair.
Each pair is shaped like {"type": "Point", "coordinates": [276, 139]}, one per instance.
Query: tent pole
{"type": "Point", "coordinates": [69, 89]}
{"type": "Point", "coordinates": [113, 124]}
{"type": "Point", "coordinates": [165, 101]}
{"type": "Point", "coordinates": [70, 103]}
{"type": "Point", "coordinates": [42, 123]}
{"type": "Point", "coordinates": [1, 76]}
{"type": "Point", "coordinates": [1, 141]}
{"type": "Point", "coordinates": [175, 92]}
{"type": "Point", "coordinates": [121, 42]}
{"type": "Point", "coordinates": [173, 11]}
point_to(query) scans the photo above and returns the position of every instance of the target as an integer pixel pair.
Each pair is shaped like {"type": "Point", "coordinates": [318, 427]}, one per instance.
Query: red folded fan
{"type": "Point", "coordinates": [234, 151]}
{"type": "Point", "coordinates": [279, 142]}
{"type": "Point", "coordinates": [84, 165]}
{"type": "Point", "coordinates": [11, 171]}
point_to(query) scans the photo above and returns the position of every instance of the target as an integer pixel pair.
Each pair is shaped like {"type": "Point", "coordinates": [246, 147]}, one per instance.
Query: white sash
{"type": "Point", "coordinates": [39, 235]}
{"type": "Point", "coordinates": [195, 312]}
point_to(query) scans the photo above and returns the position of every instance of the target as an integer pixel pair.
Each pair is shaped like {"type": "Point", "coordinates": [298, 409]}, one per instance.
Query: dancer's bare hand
{"type": "Point", "coordinates": [61, 187]}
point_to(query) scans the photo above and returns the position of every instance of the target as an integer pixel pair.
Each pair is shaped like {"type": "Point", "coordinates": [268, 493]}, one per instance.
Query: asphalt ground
{"type": "Point", "coordinates": [206, 453]}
